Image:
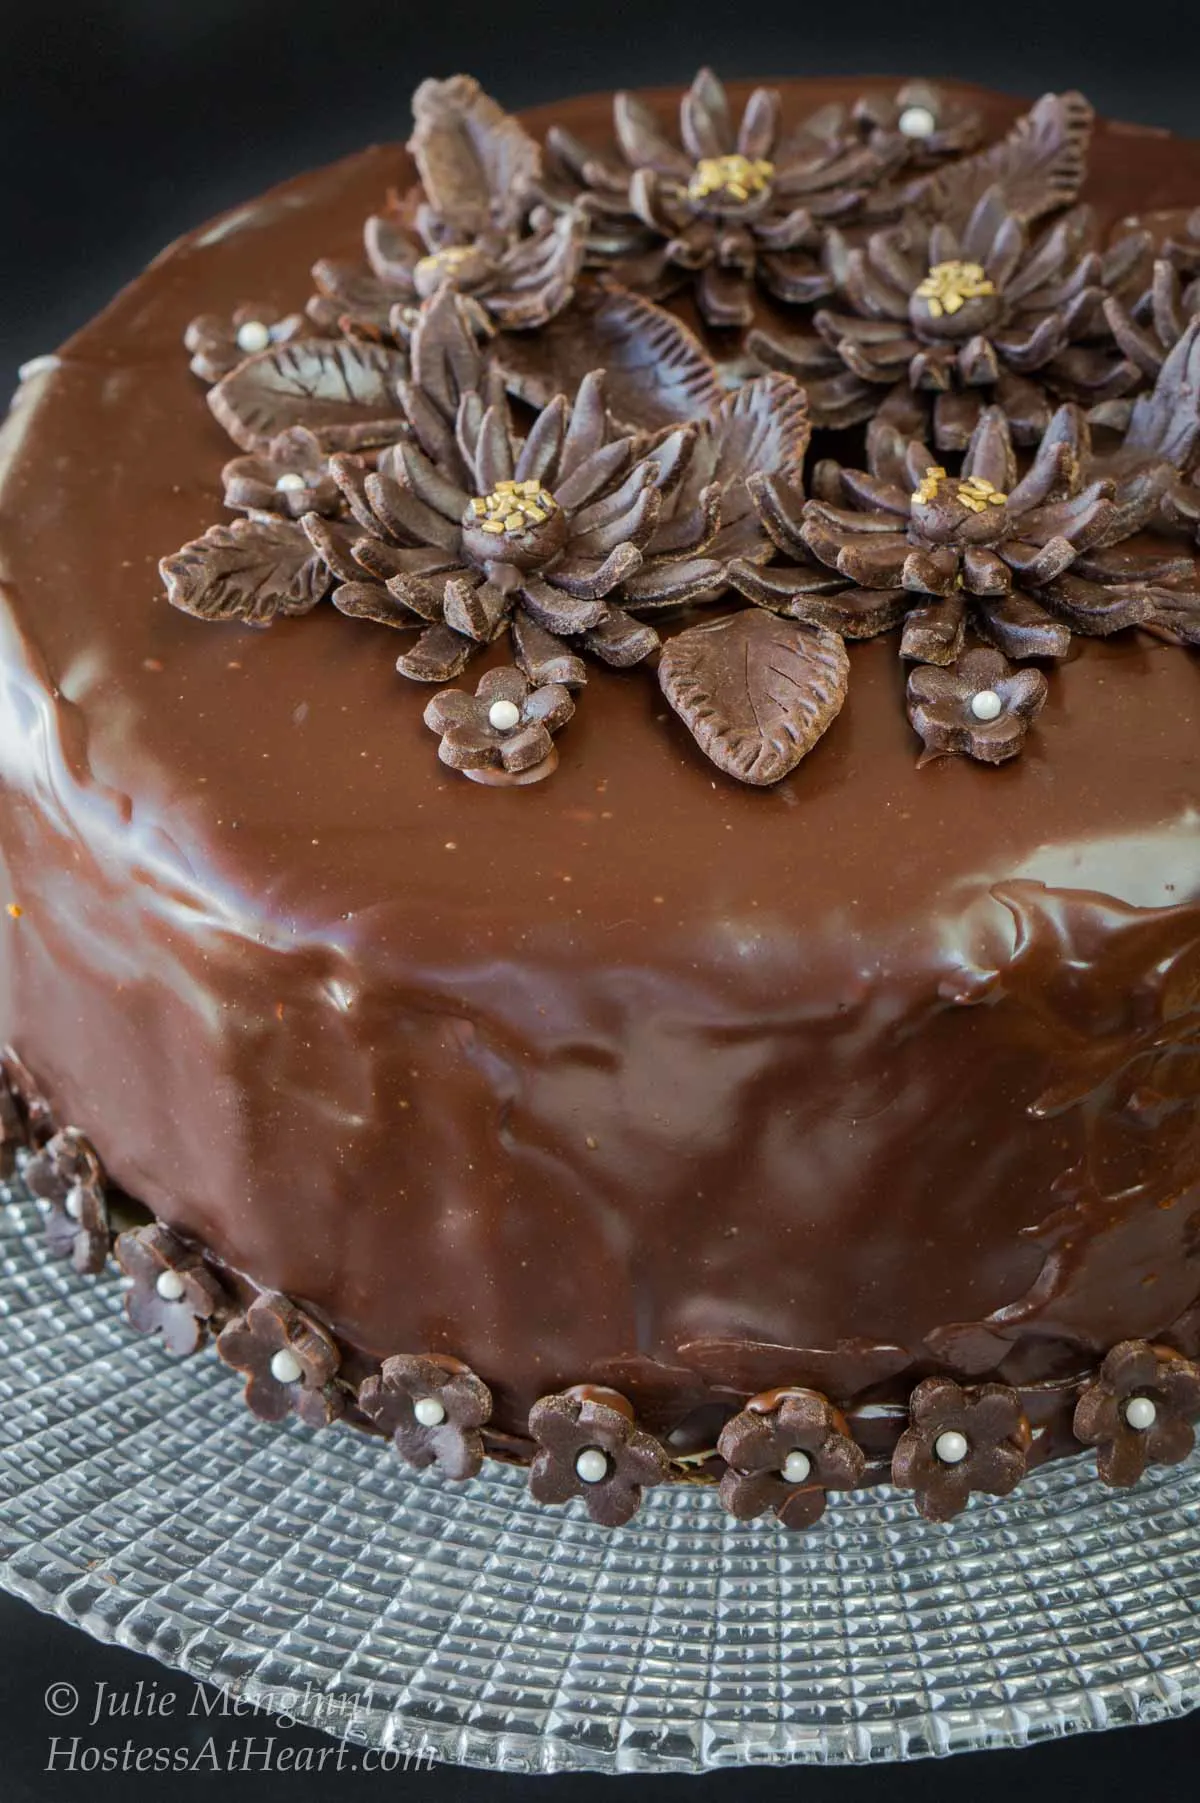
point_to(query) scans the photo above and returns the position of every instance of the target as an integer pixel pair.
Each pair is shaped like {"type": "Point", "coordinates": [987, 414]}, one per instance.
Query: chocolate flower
{"type": "Point", "coordinates": [1139, 1411]}
{"type": "Point", "coordinates": [218, 343]}
{"type": "Point", "coordinates": [66, 1173]}
{"type": "Point", "coordinates": [960, 1439]}
{"type": "Point", "coordinates": [474, 232]}
{"type": "Point", "coordinates": [784, 1451]}
{"type": "Point", "coordinates": [979, 705]}
{"type": "Point", "coordinates": [291, 477]}
{"type": "Point", "coordinates": [502, 732]}
{"type": "Point", "coordinates": [1028, 561]}
{"type": "Point", "coordinates": [727, 206]}
{"type": "Point", "coordinates": [953, 322]}
{"type": "Point", "coordinates": [173, 1292]}
{"type": "Point", "coordinates": [470, 525]}
{"type": "Point", "coordinates": [935, 124]}
{"type": "Point", "coordinates": [588, 1446]}
{"type": "Point", "coordinates": [290, 1361]}
{"type": "Point", "coordinates": [433, 1408]}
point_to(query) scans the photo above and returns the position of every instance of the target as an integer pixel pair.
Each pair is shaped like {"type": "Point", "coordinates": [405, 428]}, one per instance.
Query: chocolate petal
{"type": "Point", "coordinates": [620, 640]}
{"type": "Point", "coordinates": [590, 579]}
{"type": "Point", "coordinates": [477, 164]}
{"type": "Point", "coordinates": [555, 611]}
{"type": "Point", "coordinates": [543, 657]}
{"type": "Point", "coordinates": [642, 140]}
{"type": "Point", "coordinates": [439, 655]}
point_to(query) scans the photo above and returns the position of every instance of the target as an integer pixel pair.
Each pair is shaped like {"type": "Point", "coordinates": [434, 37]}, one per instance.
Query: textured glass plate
{"type": "Point", "coordinates": [140, 1500]}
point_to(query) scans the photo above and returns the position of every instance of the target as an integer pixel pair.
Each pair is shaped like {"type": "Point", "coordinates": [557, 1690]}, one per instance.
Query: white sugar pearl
{"type": "Point", "coordinates": [503, 715]}
{"type": "Point", "coordinates": [917, 122]}
{"type": "Point", "coordinates": [592, 1465]}
{"type": "Point", "coordinates": [796, 1467]}
{"type": "Point", "coordinates": [429, 1411]}
{"type": "Point", "coordinates": [253, 336]}
{"type": "Point", "coordinates": [170, 1286]}
{"type": "Point", "coordinates": [987, 705]}
{"type": "Point", "coordinates": [285, 1367]}
{"type": "Point", "coordinates": [74, 1204]}
{"type": "Point", "coordinates": [1140, 1412]}
{"type": "Point", "coordinates": [290, 482]}
{"type": "Point", "coordinates": [951, 1447]}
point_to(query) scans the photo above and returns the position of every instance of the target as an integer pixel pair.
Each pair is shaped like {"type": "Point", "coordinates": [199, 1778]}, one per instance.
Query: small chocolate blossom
{"type": "Point", "coordinates": [503, 729]}
{"type": "Point", "coordinates": [291, 477]}
{"type": "Point", "coordinates": [219, 342]}
{"type": "Point", "coordinates": [979, 705]}
{"type": "Point", "coordinates": [290, 1362]}
{"type": "Point", "coordinates": [433, 1408]}
{"type": "Point", "coordinates": [173, 1292]}
{"type": "Point", "coordinates": [66, 1174]}
{"type": "Point", "coordinates": [960, 1438]}
{"type": "Point", "coordinates": [1140, 1411]}
{"type": "Point", "coordinates": [588, 1446]}
{"type": "Point", "coordinates": [784, 1451]}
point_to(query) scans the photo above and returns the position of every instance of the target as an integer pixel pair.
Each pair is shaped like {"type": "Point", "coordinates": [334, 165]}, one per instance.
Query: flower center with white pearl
{"type": "Point", "coordinates": [285, 1367]}
{"type": "Point", "coordinates": [796, 1467]}
{"type": "Point", "coordinates": [253, 336]}
{"type": "Point", "coordinates": [736, 178]}
{"type": "Point", "coordinates": [987, 705]}
{"type": "Point", "coordinates": [290, 482]}
{"type": "Point", "coordinates": [169, 1285]}
{"type": "Point", "coordinates": [429, 1411]}
{"type": "Point", "coordinates": [591, 1465]}
{"type": "Point", "coordinates": [917, 122]}
{"type": "Point", "coordinates": [504, 715]}
{"type": "Point", "coordinates": [1141, 1413]}
{"type": "Point", "coordinates": [951, 1447]}
{"type": "Point", "coordinates": [511, 508]}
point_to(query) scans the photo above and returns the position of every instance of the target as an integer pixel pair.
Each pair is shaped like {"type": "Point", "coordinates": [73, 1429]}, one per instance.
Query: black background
{"type": "Point", "coordinates": [122, 123]}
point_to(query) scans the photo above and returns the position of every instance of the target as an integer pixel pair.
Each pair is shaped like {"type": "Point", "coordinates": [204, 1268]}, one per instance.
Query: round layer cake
{"type": "Point", "coordinates": [640, 1082]}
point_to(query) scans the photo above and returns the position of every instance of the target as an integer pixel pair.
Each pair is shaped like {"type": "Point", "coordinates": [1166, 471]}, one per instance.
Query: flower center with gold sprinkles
{"type": "Point", "coordinates": [948, 286]}
{"type": "Point", "coordinates": [442, 262]}
{"type": "Point", "coordinates": [733, 177]}
{"type": "Point", "coordinates": [512, 507]}
{"type": "Point", "coordinates": [975, 493]}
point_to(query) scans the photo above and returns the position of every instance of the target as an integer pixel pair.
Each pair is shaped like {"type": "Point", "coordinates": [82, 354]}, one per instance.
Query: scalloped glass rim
{"type": "Point", "coordinates": [141, 1501]}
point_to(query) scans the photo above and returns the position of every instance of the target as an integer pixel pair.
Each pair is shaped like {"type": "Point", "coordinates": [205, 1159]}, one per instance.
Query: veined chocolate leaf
{"type": "Point", "coordinates": [251, 570]}
{"type": "Point", "coordinates": [344, 390]}
{"type": "Point", "coordinates": [756, 692]}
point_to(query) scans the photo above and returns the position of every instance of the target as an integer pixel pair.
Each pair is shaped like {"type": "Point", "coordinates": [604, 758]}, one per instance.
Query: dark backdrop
{"type": "Point", "coordinates": [122, 122]}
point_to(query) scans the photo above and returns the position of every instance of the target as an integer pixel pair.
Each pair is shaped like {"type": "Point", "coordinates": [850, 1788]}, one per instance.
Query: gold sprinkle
{"type": "Point", "coordinates": [493, 526]}
{"type": "Point", "coordinates": [948, 286]}
{"type": "Point", "coordinates": [513, 522]}
{"type": "Point", "coordinates": [15, 910]}
{"type": "Point", "coordinates": [478, 508]}
{"type": "Point", "coordinates": [531, 488]}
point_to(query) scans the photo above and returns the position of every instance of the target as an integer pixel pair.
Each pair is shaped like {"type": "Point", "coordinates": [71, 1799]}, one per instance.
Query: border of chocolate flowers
{"type": "Point", "coordinates": [782, 1451]}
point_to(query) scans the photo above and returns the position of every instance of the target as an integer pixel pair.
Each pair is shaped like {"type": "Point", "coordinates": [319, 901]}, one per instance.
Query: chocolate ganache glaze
{"type": "Point", "coordinates": [638, 1077]}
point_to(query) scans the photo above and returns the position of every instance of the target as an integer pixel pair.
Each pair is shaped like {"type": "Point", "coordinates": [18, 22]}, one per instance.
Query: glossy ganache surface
{"type": "Point", "coordinates": [637, 1076]}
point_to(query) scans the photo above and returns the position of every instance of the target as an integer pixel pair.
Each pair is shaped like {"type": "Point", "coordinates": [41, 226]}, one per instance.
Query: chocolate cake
{"type": "Point", "coordinates": [740, 1022]}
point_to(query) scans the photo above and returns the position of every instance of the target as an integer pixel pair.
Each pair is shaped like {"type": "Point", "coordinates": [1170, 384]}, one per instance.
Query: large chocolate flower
{"type": "Point", "coordinates": [956, 321]}
{"type": "Point", "coordinates": [1140, 1411]}
{"type": "Point", "coordinates": [469, 525]}
{"type": "Point", "coordinates": [433, 1408]}
{"type": "Point", "coordinates": [172, 1290]}
{"type": "Point", "coordinates": [730, 204]}
{"type": "Point", "coordinates": [290, 1361]}
{"type": "Point", "coordinates": [784, 1450]}
{"type": "Point", "coordinates": [1026, 559]}
{"type": "Point", "coordinates": [959, 1440]}
{"type": "Point", "coordinates": [66, 1175]}
{"type": "Point", "coordinates": [473, 231]}
{"type": "Point", "coordinates": [589, 1447]}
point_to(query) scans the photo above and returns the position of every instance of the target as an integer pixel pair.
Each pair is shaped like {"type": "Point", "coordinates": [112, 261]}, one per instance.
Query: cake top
{"type": "Point", "coordinates": [491, 434]}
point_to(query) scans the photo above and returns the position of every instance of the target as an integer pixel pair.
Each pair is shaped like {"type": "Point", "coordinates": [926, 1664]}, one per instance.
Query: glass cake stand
{"type": "Point", "coordinates": [312, 1574]}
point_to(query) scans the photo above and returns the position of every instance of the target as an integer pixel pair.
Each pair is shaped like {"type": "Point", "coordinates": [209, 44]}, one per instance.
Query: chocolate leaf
{"type": "Point", "coordinates": [342, 390]}
{"type": "Point", "coordinates": [1039, 166]}
{"type": "Point", "coordinates": [250, 570]}
{"type": "Point", "coordinates": [756, 692]}
{"type": "Point", "coordinates": [657, 371]}
{"type": "Point", "coordinates": [476, 163]}
{"type": "Point", "coordinates": [762, 427]}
